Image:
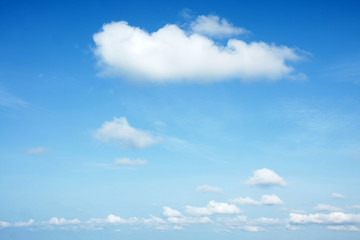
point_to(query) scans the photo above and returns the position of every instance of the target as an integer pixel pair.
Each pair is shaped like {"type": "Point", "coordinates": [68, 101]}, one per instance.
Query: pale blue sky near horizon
{"type": "Point", "coordinates": [113, 130]}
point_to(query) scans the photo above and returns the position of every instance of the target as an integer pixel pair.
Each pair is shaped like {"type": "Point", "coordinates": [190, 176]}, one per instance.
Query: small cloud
{"type": "Point", "coordinates": [357, 207]}
{"type": "Point", "coordinates": [119, 131]}
{"type": "Point", "coordinates": [188, 220]}
{"type": "Point", "coordinates": [266, 177]}
{"type": "Point", "coordinates": [250, 228]}
{"type": "Point", "coordinates": [36, 151]}
{"type": "Point", "coordinates": [327, 208]}
{"type": "Point", "coordinates": [344, 228]}
{"type": "Point", "coordinates": [169, 212]}
{"type": "Point", "coordinates": [9, 100]}
{"type": "Point", "coordinates": [337, 195]}
{"type": "Point", "coordinates": [265, 200]}
{"type": "Point", "coordinates": [212, 208]}
{"type": "Point", "coordinates": [4, 224]}
{"type": "Point", "coordinates": [213, 26]}
{"type": "Point", "coordinates": [129, 162]}
{"type": "Point", "coordinates": [63, 221]}
{"type": "Point", "coordinates": [24, 224]}
{"type": "Point", "coordinates": [207, 188]}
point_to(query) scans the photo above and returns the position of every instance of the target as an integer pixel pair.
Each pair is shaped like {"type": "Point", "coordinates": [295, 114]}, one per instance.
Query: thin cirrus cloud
{"type": "Point", "coordinates": [266, 177]}
{"type": "Point", "coordinates": [337, 195]}
{"type": "Point", "coordinates": [207, 188]}
{"type": "Point", "coordinates": [36, 151]}
{"type": "Point", "coordinates": [327, 208]}
{"type": "Point", "coordinates": [213, 26]}
{"type": "Point", "coordinates": [265, 200]}
{"type": "Point", "coordinates": [172, 54]}
{"type": "Point", "coordinates": [120, 131]}
{"type": "Point", "coordinates": [130, 162]}
{"type": "Point", "coordinates": [213, 208]}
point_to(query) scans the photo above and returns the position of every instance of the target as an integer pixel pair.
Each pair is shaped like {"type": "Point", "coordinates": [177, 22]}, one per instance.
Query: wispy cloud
{"type": "Point", "coordinates": [207, 188]}
{"type": "Point", "coordinates": [265, 200]}
{"type": "Point", "coordinates": [130, 162]}
{"type": "Point", "coordinates": [9, 100]}
{"type": "Point", "coordinates": [36, 151]}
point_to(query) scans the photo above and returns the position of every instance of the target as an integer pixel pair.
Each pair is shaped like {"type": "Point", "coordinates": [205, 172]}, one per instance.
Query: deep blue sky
{"type": "Point", "coordinates": [180, 143]}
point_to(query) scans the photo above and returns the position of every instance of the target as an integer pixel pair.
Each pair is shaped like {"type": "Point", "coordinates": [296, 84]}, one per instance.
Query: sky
{"type": "Point", "coordinates": [179, 119]}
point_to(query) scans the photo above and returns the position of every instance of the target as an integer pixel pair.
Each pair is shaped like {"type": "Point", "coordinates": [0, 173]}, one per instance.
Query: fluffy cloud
{"type": "Point", "coordinates": [36, 151]}
{"type": "Point", "coordinates": [4, 224]}
{"type": "Point", "coordinates": [327, 208]}
{"type": "Point", "coordinates": [213, 207]}
{"type": "Point", "coordinates": [24, 224]}
{"type": "Point", "coordinates": [214, 26]}
{"type": "Point", "coordinates": [271, 200]}
{"type": "Point", "coordinates": [121, 132]}
{"type": "Point", "coordinates": [331, 218]}
{"type": "Point", "coordinates": [207, 188]}
{"type": "Point", "coordinates": [172, 55]}
{"type": "Point", "coordinates": [265, 200]}
{"type": "Point", "coordinates": [337, 195]}
{"type": "Point", "coordinates": [111, 219]}
{"type": "Point", "coordinates": [128, 161]}
{"type": "Point", "coordinates": [266, 177]}
{"type": "Point", "coordinates": [169, 212]}
{"type": "Point", "coordinates": [63, 221]}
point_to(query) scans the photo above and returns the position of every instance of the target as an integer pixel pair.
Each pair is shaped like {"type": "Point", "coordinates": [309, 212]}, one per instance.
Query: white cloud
{"type": "Point", "coordinates": [331, 218]}
{"type": "Point", "coordinates": [327, 208]}
{"type": "Point", "coordinates": [169, 212]}
{"type": "Point", "coordinates": [24, 224]}
{"type": "Point", "coordinates": [111, 219]}
{"type": "Point", "coordinates": [213, 26]}
{"type": "Point", "coordinates": [344, 228]}
{"type": "Point", "coordinates": [36, 151]}
{"type": "Point", "coordinates": [266, 221]}
{"type": "Point", "coordinates": [212, 208]}
{"type": "Point", "coordinates": [250, 228]}
{"type": "Point", "coordinates": [271, 200]}
{"type": "Point", "coordinates": [337, 195]}
{"type": "Point", "coordinates": [245, 201]}
{"type": "Point", "coordinates": [207, 188]}
{"type": "Point", "coordinates": [265, 200]}
{"type": "Point", "coordinates": [128, 161]}
{"type": "Point", "coordinates": [172, 55]}
{"type": "Point", "coordinates": [357, 207]}
{"type": "Point", "coordinates": [63, 221]}
{"type": "Point", "coordinates": [9, 100]}
{"type": "Point", "coordinates": [177, 227]}
{"type": "Point", "coordinates": [153, 221]}
{"type": "Point", "coordinates": [266, 177]}
{"type": "Point", "coordinates": [4, 224]}
{"type": "Point", "coordinates": [121, 132]}
{"type": "Point", "coordinates": [188, 220]}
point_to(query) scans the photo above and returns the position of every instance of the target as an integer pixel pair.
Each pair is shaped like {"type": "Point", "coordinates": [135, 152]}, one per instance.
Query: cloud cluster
{"type": "Point", "coordinates": [212, 208]}
{"type": "Point", "coordinates": [119, 131]}
{"type": "Point", "coordinates": [265, 200]}
{"type": "Point", "coordinates": [331, 218]}
{"type": "Point", "coordinates": [266, 177]}
{"type": "Point", "coordinates": [172, 55]}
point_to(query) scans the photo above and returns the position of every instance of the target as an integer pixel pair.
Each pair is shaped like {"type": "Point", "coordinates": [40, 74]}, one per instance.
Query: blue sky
{"type": "Point", "coordinates": [176, 119]}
